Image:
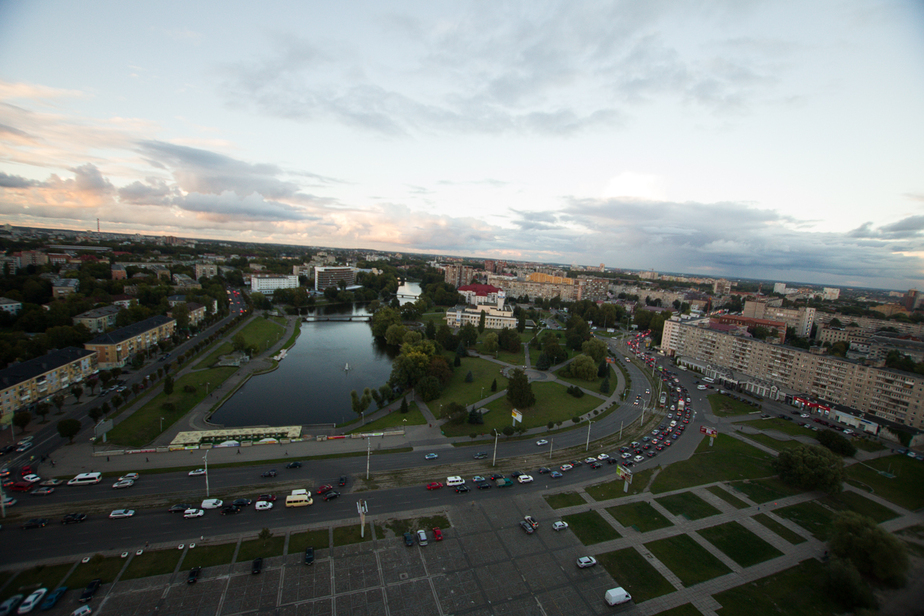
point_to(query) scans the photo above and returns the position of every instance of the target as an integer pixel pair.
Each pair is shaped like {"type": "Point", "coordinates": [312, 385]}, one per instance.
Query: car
{"type": "Point", "coordinates": [212, 503]}
{"type": "Point", "coordinates": [241, 502]}
{"type": "Point", "coordinates": [542, 442]}
{"type": "Point", "coordinates": [481, 455]}
{"type": "Point", "coordinates": [434, 485]}
{"type": "Point", "coordinates": [437, 534]}
{"type": "Point", "coordinates": [324, 489]}
{"type": "Point", "coordinates": [462, 488]}
{"type": "Point", "coordinates": [495, 477]}
{"type": "Point", "coordinates": [595, 465]}
{"type": "Point", "coordinates": [555, 474]}
{"type": "Point", "coordinates": [422, 537]}
{"type": "Point", "coordinates": [19, 486]}
{"type": "Point", "coordinates": [295, 464]}
{"type": "Point", "coordinates": [309, 555]}
{"type": "Point", "coordinates": [408, 539]}
{"type": "Point", "coordinates": [263, 506]}
{"type": "Point", "coordinates": [132, 476]}
{"type": "Point", "coordinates": [74, 518]}
{"type": "Point", "coordinates": [125, 483]}
{"type": "Point", "coordinates": [269, 473]}
{"type": "Point", "coordinates": [24, 447]}
{"type": "Point", "coordinates": [35, 523]}
{"type": "Point", "coordinates": [6, 472]}
{"type": "Point", "coordinates": [343, 480]}
{"type": "Point", "coordinates": [525, 479]}
{"type": "Point", "coordinates": [559, 525]}
{"type": "Point", "coordinates": [586, 561]}
{"type": "Point", "coordinates": [196, 472]}
{"type": "Point", "coordinates": [527, 527]}
{"type": "Point", "coordinates": [90, 590]}
{"type": "Point", "coordinates": [52, 598]}
{"type": "Point", "coordinates": [269, 498]}
{"type": "Point", "coordinates": [566, 467]}
{"type": "Point", "coordinates": [431, 456]}
{"type": "Point", "coordinates": [51, 482]}
{"type": "Point", "coordinates": [32, 601]}
{"type": "Point", "coordinates": [31, 478]}
{"type": "Point", "coordinates": [483, 485]}
{"type": "Point", "coordinates": [531, 521]}
{"type": "Point", "coordinates": [180, 508]}
{"type": "Point", "coordinates": [83, 610]}
{"type": "Point", "coordinates": [478, 478]}
{"type": "Point", "coordinates": [257, 566]}
{"type": "Point", "coordinates": [9, 605]}
{"type": "Point", "coordinates": [603, 456]}
{"type": "Point", "coordinates": [193, 513]}
{"type": "Point", "coordinates": [193, 575]}
{"type": "Point", "coordinates": [331, 495]}
{"type": "Point", "coordinates": [226, 510]}
{"type": "Point", "coordinates": [43, 491]}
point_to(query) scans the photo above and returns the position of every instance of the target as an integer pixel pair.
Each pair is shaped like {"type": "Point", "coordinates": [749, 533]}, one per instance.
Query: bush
{"type": "Point", "coordinates": [169, 406]}
{"type": "Point", "coordinates": [846, 587]}
{"type": "Point", "coordinates": [190, 389]}
{"type": "Point", "coordinates": [836, 443]}
{"type": "Point", "coordinates": [576, 391]}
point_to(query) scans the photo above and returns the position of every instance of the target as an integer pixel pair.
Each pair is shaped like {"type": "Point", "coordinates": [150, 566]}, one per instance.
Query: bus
{"type": "Point", "coordinates": [663, 398]}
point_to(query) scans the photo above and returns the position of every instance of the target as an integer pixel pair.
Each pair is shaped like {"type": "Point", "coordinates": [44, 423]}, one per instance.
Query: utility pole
{"type": "Point", "coordinates": [368, 455]}
{"type": "Point", "coordinates": [206, 458]}
{"type": "Point", "coordinates": [494, 459]}
{"type": "Point", "coordinates": [551, 443]}
{"type": "Point", "coordinates": [589, 424]}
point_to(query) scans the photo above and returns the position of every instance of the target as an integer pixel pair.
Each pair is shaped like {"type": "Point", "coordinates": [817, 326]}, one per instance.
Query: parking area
{"type": "Point", "coordinates": [486, 565]}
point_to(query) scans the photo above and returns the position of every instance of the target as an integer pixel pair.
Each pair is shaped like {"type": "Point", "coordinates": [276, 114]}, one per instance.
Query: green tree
{"type": "Point", "coordinates": [469, 377]}
{"type": "Point", "coordinates": [583, 367]}
{"type": "Point", "coordinates": [394, 335]}
{"type": "Point", "coordinates": [265, 535]}
{"type": "Point", "coordinates": [440, 369]}
{"type": "Point", "coordinates": [42, 409]}
{"type": "Point", "coordinates": [508, 431]}
{"type": "Point", "coordinates": [360, 402]}
{"type": "Point", "coordinates": [428, 388]}
{"type": "Point", "coordinates": [846, 587]}
{"type": "Point", "coordinates": [542, 362]}
{"type": "Point", "coordinates": [519, 391]}
{"type": "Point", "coordinates": [521, 322]}
{"type": "Point", "coordinates": [603, 369]}
{"type": "Point", "coordinates": [490, 342]}
{"type": "Point", "coordinates": [22, 419]}
{"type": "Point", "coordinates": [595, 348]}
{"type": "Point", "coordinates": [811, 467]}
{"type": "Point", "coordinates": [430, 330]}
{"type": "Point", "coordinates": [605, 386]}
{"type": "Point", "coordinates": [58, 401]}
{"type": "Point", "coordinates": [509, 340]}
{"type": "Point", "coordinates": [68, 428]}
{"type": "Point", "coordinates": [77, 391]}
{"type": "Point", "coordinates": [481, 321]}
{"type": "Point", "coordinates": [468, 335]}
{"type": "Point", "coordinates": [106, 377]}
{"type": "Point", "coordinates": [494, 385]}
{"type": "Point", "coordinates": [404, 407]}
{"type": "Point", "coordinates": [168, 385]}
{"type": "Point", "coordinates": [836, 443]}
{"type": "Point", "coordinates": [873, 550]}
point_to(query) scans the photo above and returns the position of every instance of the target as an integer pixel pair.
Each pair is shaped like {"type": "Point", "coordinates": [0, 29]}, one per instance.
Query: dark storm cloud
{"type": "Point", "coordinates": [89, 179]}
{"type": "Point", "coordinates": [154, 191]}
{"type": "Point", "coordinates": [16, 181]}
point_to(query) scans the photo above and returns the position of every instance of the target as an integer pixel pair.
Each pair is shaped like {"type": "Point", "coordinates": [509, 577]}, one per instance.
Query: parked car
{"type": "Point", "coordinates": [90, 590]}
{"type": "Point", "coordinates": [331, 495]}
{"type": "Point", "coordinates": [560, 525]}
{"type": "Point", "coordinates": [324, 489]}
{"type": "Point", "coordinates": [527, 528]}
{"type": "Point", "coordinates": [32, 601]}
{"type": "Point", "coordinates": [422, 537]}
{"type": "Point", "coordinates": [269, 498]}
{"type": "Point", "coordinates": [180, 508]}
{"type": "Point", "coordinates": [343, 480]}
{"type": "Point", "coordinates": [257, 566]}
{"type": "Point", "coordinates": [212, 503]}
{"type": "Point", "coordinates": [193, 513]}
{"type": "Point", "coordinates": [309, 555]}
{"type": "Point", "coordinates": [437, 534]}
{"type": "Point", "coordinates": [241, 502]}
{"type": "Point", "coordinates": [193, 575]}
{"type": "Point", "coordinates": [263, 506]}
{"type": "Point", "coordinates": [7, 607]}
{"type": "Point", "coordinates": [531, 521]}
{"type": "Point", "coordinates": [408, 539]}
{"type": "Point", "coordinates": [44, 491]}
{"type": "Point", "coordinates": [586, 561]}
{"type": "Point", "coordinates": [462, 488]}
{"type": "Point", "coordinates": [434, 485]}
{"type": "Point", "coordinates": [52, 598]}
{"type": "Point", "coordinates": [269, 473]}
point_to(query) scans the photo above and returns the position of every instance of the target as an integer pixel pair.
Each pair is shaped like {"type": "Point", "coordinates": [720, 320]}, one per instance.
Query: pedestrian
{"type": "Point", "coordinates": [107, 458]}
{"type": "Point", "coordinates": [146, 460]}
{"type": "Point", "coordinates": [238, 452]}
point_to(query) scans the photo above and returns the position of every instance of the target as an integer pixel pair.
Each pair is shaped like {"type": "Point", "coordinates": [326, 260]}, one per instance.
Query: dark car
{"type": "Point", "coordinates": [544, 470]}
{"type": "Point", "coordinates": [52, 598]}
{"type": "Point", "coordinates": [257, 566]}
{"type": "Point", "coordinates": [35, 523]}
{"type": "Point", "coordinates": [409, 540]}
{"type": "Point", "coordinates": [495, 477]}
{"type": "Point", "coordinates": [180, 508]}
{"type": "Point", "coordinates": [241, 502]}
{"type": "Point", "coordinates": [515, 474]}
{"type": "Point", "coordinates": [527, 528]}
{"type": "Point", "coordinates": [230, 510]}
{"type": "Point", "coordinates": [90, 590]}
{"type": "Point", "coordinates": [462, 488]}
{"type": "Point", "coordinates": [343, 480]}
{"type": "Point", "coordinates": [483, 485]}
{"type": "Point", "coordinates": [74, 518]}
{"type": "Point", "coordinates": [331, 495]}
{"type": "Point", "coordinates": [193, 575]}
{"type": "Point", "coordinates": [271, 473]}
{"type": "Point", "coordinates": [309, 555]}
{"type": "Point", "coordinates": [295, 464]}
{"type": "Point", "coordinates": [7, 449]}
{"type": "Point", "coordinates": [481, 455]}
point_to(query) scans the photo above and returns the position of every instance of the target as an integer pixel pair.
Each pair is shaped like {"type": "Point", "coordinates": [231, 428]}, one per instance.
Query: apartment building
{"type": "Point", "coordinates": [458, 275]}
{"type": "Point", "coordinates": [479, 294]}
{"type": "Point", "coordinates": [10, 305]}
{"type": "Point", "coordinates": [267, 283]}
{"type": "Point", "coordinates": [869, 325]}
{"type": "Point", "coordinates": [119, 272]}
{"type": "Point", "coordinates": [546, 290]}
{"type": "Point", "coordinates": [331, 276]}
{"type": "Point", "coordinates": [98, 320]}
{"type": "Point", "coordinates": [116, 348]}
{"type": "Point", "coordinates": [32, 381]}
{"type": "Point", "coordinates": [209, 270]}
{"type": "Point", "coordinates": [495, 318]}
{"type": "Point", "coordinates": [800, 319]}
{"type": "Point", "coordinates": [62, 287]}
{"type": "Point", "coordinates": [776, 371]}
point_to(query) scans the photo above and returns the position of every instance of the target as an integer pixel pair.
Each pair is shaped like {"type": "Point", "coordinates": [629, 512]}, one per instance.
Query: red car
{"type": "Point", "coordinates": [325, 488]}
{"type": "Point", "coordinates": [437, 534]}
{"type": "Point", "coordinates": [266, 497]}
{"type": "Point", "coordinates": [21, 486]}
{"type": "Point", "coordinates": [435, 485]}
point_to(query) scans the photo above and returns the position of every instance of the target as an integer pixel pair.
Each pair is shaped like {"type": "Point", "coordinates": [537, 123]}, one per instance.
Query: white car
{"type": "Point", "coordinates": [263, 506]}
{"type": "Point", "coordinates": [431, 456]}
{"type": "Point", "coordinates": [193, 513]}
{"type": "Point", "coordinates": [197, 472]}
{"type": "Point", "coordinates": [638, 459]}
{"type": "Point", "coordinates": [626, 455]}
{"type": "Point", "coordinates": [31, 478]}
{"type": "Point", "coordinates": [123, 483]}
{"type": "Point", "coordinates": [32, 601]}
{"type": "Point", "coordinates": [83, 610]}
{"type": "Point", "coordinates": [586, 561]}
{"type": "Point", "coordinates": [560, 525]}
{"type": "Point", "coordinates": [525, 478]}
{"type": "Point", "coordinates": [603, 456]}
{"type": "Point", "coordinates": [211, 503]}
{"type": "Point", "coordinates": [542, 442]}
{"type": "Point", "coordinates": [122, 513]}
{"type": "Point", "coordinates": [132, 476]}
{"type": "Point", "coordinates": [565, 467]}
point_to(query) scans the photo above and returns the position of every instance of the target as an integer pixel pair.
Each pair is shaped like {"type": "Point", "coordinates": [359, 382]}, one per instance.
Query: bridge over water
{"type": "Point", "coordinates": [337, 317]}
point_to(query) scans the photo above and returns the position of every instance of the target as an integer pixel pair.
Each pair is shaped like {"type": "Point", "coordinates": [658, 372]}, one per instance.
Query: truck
{"type": "Point", "coordinates": [503, 482]}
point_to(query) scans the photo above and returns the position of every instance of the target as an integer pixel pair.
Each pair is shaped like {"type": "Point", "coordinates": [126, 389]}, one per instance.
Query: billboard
{"type": "Point", "coordinates": [517, 415]}
{"type": "Point", "coordinates": [708, 431]}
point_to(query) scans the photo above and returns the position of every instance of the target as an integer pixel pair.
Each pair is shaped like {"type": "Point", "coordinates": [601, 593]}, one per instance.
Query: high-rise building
{"type": "Point", "coordinates": [325, 277]}
{"type": "Point", "coordinates": [458, 275]}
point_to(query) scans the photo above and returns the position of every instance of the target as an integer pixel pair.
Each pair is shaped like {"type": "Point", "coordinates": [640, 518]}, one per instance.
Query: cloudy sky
{"type": "Point", "coordinates": [778, 140]}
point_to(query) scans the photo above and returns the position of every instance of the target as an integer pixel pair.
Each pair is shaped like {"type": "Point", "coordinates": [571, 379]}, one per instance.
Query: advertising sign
{"type": "Point", "coordinates": [708, 431]}
{"type": "Point", "coordinates": [517, 415]}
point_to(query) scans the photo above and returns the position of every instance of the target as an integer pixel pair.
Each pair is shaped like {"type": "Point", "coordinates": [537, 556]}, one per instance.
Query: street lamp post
{"type": "Point", "coordinates": [206, 458]}
{"type": "Point", "coordinates": [589, 424]}
{"type": "Point", "coordinates": [161, 424]}
{"type": "Point", "coordinates": [368, 455]}
{"type": "Point", "coordinates": [207, 388]}
{"type": "Point", "coordinates": [551, 444]}
{"type": "Point", "coordinates": [494, 459]}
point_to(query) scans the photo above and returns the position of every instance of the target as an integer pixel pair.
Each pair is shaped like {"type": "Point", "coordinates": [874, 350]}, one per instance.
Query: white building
{"type": "Point", "coordinates": [267, 283]}
{"type": "Point", "coordinates": [830, 294]}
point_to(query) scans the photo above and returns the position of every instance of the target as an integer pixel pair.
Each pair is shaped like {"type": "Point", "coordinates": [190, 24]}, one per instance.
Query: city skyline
{"type": "Point", "coordinates": [768, 141]}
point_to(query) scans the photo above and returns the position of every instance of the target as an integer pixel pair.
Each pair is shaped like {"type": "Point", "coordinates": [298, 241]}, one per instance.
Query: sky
{"type": "Point", "coordinates": [780, 140]}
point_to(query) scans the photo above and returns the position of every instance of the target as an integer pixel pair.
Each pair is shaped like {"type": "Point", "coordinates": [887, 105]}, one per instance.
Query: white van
{"type": "Point", "coordinates": [617, 596]}
{"type": "Point", "coordinates": [299, 498]}
{"type": "Point", "coordinates": [708, 379]}
{"type": "Point", "coordinates": [454, 481]}
{"type": "Point", "coordinates": [85, 479]}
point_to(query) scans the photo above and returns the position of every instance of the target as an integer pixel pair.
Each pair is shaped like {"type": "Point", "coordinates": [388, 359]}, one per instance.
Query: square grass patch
{"type": "Point", "coordinates": [613, 489]}
{"type": "Point", "coordinates": [867, 444]}
{"type": "Point", "coordinates": [590, 527]}
{"type": "Point", "coordinates": [633, 572]}
{"type": "Point", "coordinates": [99, 567]}
{"type": "Point", "coordinates": [688, 505]}
{"type": "Point", "coordinates": [728, 497]}
{"type": "Point", "coordinates": [901, 483]}
{"type": "Point", "coordinates": [724, 406]}
{"type": "Point", "coordinates": [727, 460]}
{"type": "Point", "coordinates": [686, 609]}
{"type": "Point", "coordinates": [257, 548]}
{"type": "Point", "coordinates": [159, 562]}
{"type": "Point", "coordinates": [41, 576]}
{"type": "Point", "coordinates": [765, 490]}
{"type": "Point", "coordinates": [811, 516]}
{"type": "Point", "coordinates": [318, 539]}
{"type": "Point", "coordinates": [787, 534]}
{"type": "Point", "coordinates": [347, 535]}
{"type": "Point", "coordinates": [773, 443]}
{"type": "Point", "coordinates": [797, 591]}
{"type": "Point", "coordinates": [565, 499]}
{"type": "Point", "coordinates": [209, 556]}
{"type": "Point", "coordinates": [739, 544]}
{"type": "Point", "coordinates": [688, 560]}
{"type": "Point", "coordinates": [851, 501]}
{"type": "Point", "coordinates": [780, 425]}
{"type": "Point", "coordinates": [641, 516]}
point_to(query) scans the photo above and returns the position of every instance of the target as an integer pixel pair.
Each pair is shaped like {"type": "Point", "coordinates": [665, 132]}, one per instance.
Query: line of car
{"type": "Point", "coordinates": [44, 600]}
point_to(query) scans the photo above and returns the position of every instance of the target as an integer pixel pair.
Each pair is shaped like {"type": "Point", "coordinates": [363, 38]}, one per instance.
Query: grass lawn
{"type": "Point", "coordinates": [687, 559]}
{"type": "Point", "coordinates": [346, 535]}
{"type": "Point", "coordinates": [319, 539]}
{"type": "Point", "coordinates": [768, 441]}
{"type": "Point", "coordinates": [565, 499]}
{"type": "Point", "coordinates": [224, 348]}
{"type": "Point", "coordinates": [686, 609]}
{"type": "Point", "coordinates": [851, 501]}
{"type": "Point", "coordinates": [633, 572]}
{"type": "Point", "coordinates": [9, 592]}
{"type": "Point", "coordinates": [395, 419]}
{"type": "Point", "coordinates": [38, 577]}
{"type": "Point", "coordinates": [589, 385]}
{"type": "Point", "coordinates": [688, 505]}
{"type": "Point", "coordinates": [160, 562]}
{"type": "Point", "coordinates": [904, 489]}
{"type": "Point", "coordinates": [209, 556]}
{"type": "Point", "coordinates": [723, 406]}
{"type": "Point", "coordinates": [613, 489]}
{"type": "Point", "coordinates": [780, 425]}
{"type": "Point", "coordinates": [727, 460]}
{"type": "Point", "coordinates": [590, 527]}
{"type": "Point", "coordinates": [484, 373]}
{"type": "Point", "coordinates": [728, 497]}
{"type": "Point", "coordinates": [811, 516]}
{"type": "Point", "coordinates": [641, 516]}
{"type": "Point", "coordinates": [765, 490]}
{"type": "Point", "coordinates": [739, 544]}
{"type": "Point", "coordinates": [99, 567]}
{"type": "Point", "coordinates": [790, 536]}
{"type": "Point", "coordinates": [866, 444]}
{"type": "Point", "coordinates": [143, 426]}
{"type": "Point", "coordinates": [514, 359]}
{"type": "Point", "coordinates": [253, 548]}
{"type": "Point", "coordinates": [262, 333]}
{"type": "Point", "coordinates": [552, 404]}
{"type": "Point", "coordinates": [794, 592]}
